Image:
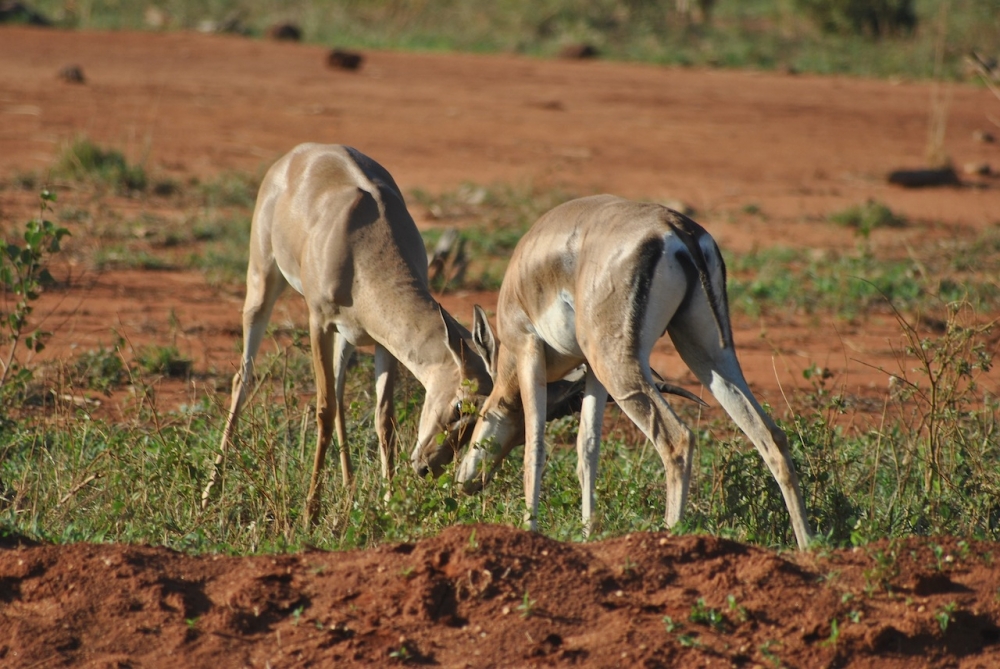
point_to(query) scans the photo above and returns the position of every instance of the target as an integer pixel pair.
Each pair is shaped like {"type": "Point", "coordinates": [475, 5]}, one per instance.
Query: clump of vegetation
{"type": "Point", "coordinates": [165, 360]}
{"type": "Point", "coordinates": [814, 35]}
{"type": "Point", "coordinates": [867, 217]}
{"type": "Point", "coordinates": [231, 189]}
{"type": "Point", "coordinates": [99, 369]}
{"type": "Point", "coordinates": [919, 465]}
{"type": "Point", "coordinates": [489, 220]}
{"type": "Point", "coordinates": [873, 18]}
{"type": "Point", "coordinates": [23, 275]}
{"type": "Point", "coordinates": [86, 161]}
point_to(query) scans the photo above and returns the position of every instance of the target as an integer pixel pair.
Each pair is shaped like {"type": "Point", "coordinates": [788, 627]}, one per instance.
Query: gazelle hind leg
{"type": "Point", "coordinates": [263, 289]}
{"type": "Point", "coordinates": [385, 412]}
{"type": "Point", "coordinates": [588, 443]}
{"type": "Point", "coordinates": [719, 370]}
{"type": "Point", "coordinates": [634, 392]}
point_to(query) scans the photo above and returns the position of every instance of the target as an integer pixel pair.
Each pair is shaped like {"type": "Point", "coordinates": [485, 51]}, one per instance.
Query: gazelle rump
{"type": "Point", "coordinates": [331, 222]}
{"type": "Point", "coordinates": [598, 281]}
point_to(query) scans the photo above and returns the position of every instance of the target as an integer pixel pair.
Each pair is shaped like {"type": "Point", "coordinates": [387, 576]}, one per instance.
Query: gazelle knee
{"type": "Point", "coordinates": [683, 447]}
{"type": "Point", "coordinates": [779, 459]}
{"type": "Point", "coordinates": [780, 438]}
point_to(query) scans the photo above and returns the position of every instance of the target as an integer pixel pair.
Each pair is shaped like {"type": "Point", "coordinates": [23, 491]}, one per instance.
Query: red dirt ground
{"type": "Point", "coordinates": [795, 147]}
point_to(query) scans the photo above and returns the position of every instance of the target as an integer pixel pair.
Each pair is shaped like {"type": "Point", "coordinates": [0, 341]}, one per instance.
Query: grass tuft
{"type": "Point", "coordinates": [867, 217]}
{"type": "Point", "coordinates": [84, 160]}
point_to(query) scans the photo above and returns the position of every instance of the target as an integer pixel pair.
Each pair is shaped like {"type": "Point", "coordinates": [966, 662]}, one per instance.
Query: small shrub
{"type": "Point", "coordinates": [865, 218]}
{"type": "Point", "coordinates": [99, 369]}
{"type": "Point", "coordinates": [23, 274]}
{"type": "Point", "coordinates": [85, 160]}
{"type": "Point", "coordinates": [232, 189]}
{"type": "Point", "coordinates": [162, 360]}
{"type": "Point", "coordinates": [874, 18]}
{"type": "Point", "coordinates": [704, 615]}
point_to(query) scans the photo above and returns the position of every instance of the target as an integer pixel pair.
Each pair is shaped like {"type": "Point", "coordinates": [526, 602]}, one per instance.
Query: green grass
{"type": "Point", "coordinates": [927, 469]}
{"type": "Point", "coordinates": [867, 217]}
{"type": "Point", "coordinates": [123, 256]}
{"type": "Point", "coordinates": [852, 284]}
{"type": "Point", "coordinates": [764, 34]}
{"type": "Point", "coordinates": [230, 189]}
{"type": "Point", "coordinates": [222, 249]}
{"type": "Point", "coordinates": [490, 221]}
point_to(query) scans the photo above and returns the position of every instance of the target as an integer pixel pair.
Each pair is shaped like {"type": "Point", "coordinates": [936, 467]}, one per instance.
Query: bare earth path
{"type": "Point", "coordinates": [794, 148]}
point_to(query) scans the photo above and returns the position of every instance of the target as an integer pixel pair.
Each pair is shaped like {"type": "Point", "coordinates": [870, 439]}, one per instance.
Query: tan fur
{"type": "Point", "coordinates": [332, 223]}
{"type": "Point", "coordinates": [569, 297]}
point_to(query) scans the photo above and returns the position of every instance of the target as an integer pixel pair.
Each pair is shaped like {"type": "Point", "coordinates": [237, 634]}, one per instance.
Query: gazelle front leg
{"type": "Point", "coordinates": [531, 380]}
{"type": "Point", "coordinates": [323, 338]}
{"type": "Point", "coordinates": [385, 414]}
{"type": "Point", "coordinates": [588, 443]}
{"type": "Point", "coordinates": [263, 289]}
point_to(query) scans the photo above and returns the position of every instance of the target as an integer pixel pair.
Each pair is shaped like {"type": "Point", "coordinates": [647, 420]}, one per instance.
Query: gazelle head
{"type": "Point", "coordinates": [452, 401]}
{"type": "Point", "coordinates": [500, 424]}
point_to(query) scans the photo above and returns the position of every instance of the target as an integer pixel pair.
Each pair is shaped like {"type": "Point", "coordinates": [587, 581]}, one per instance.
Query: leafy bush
{"type": "Point", "coordinates": [23, 274]}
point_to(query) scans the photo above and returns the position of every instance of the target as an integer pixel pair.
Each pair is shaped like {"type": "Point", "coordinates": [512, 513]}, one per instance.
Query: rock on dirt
{"type": "Point", "coordinates": [72, 74]}
{"type": "Point", "coordinates": [344, 60]}
{"type": "Point", "coordinates": [284, 32]}
{"type": "Point", "coordinates": [923, 178]}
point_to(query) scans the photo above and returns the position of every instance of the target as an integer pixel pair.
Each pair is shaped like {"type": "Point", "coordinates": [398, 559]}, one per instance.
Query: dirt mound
{"type": "Point", "coordinates": [495, 596]}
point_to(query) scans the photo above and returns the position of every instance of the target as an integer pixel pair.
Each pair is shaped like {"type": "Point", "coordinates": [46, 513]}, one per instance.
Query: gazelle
{"type": "Point", "coordinates": [598, 280]}
{"type": "Point", "coordinates": [332, 223]}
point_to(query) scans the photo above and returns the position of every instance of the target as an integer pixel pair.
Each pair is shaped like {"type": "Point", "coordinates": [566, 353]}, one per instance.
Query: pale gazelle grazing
{"type": "Point", "coordinates": [332, 223]}
{"type": "Point", "coordinates": [598, 280]}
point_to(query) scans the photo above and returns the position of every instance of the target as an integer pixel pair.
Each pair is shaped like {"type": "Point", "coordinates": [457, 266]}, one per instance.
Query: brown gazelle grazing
{"type": "Point", "coordinates": [598, 281]}
{"type": "Point", "coordinates": [332, 223]}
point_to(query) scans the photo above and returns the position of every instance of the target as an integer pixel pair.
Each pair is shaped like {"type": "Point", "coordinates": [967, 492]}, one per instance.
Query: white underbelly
{"type": "Point", "coordinates": [292, 278]}
{"type": "Point", "coordinates": [557, 326]}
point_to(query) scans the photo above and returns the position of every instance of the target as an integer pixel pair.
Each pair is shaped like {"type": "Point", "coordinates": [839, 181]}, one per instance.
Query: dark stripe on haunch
{"type": "Point", "coordinates": [690, 234]}
{"type": "Point", "coordinates": [646, 259]}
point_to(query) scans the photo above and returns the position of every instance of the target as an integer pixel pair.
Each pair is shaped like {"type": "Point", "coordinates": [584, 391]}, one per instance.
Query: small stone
{"type": "Point", "coordinates": [983, 136]}
{"type": "Point", "coordinates": [285, 32]}
{"type": "Point", "coordinates": [72, 74]}
{"type": "Point", "coordinates": [344, 60]}
{"type": "Point", "coordinates": [578, 51]}
{"type": "Point", "coordinates": [977, 169]}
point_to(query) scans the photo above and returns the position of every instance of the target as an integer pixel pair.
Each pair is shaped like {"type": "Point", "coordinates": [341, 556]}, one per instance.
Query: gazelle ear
{"type": "Point", "coordinates": [484, 340]}
{"type": "Point", "coordinates": [454, 336]}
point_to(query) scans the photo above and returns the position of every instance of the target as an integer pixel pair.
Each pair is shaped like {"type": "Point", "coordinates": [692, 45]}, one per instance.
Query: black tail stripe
{"type": "Point", "coordinates": [690, 234]}
{"type": "Point", "coordinates": [647, 258]}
